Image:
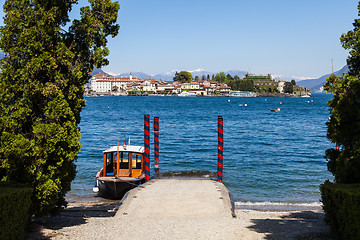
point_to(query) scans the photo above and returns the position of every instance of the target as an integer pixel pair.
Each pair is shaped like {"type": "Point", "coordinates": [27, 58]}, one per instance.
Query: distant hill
{"type": "Point", "coordinates": [140, 75]}
{"type": "Point", "coordinates": [240, 74]}
{"type": "Point", "coordinates": [312, 84]}
{"type": "Point", "coordinates": [316, 84]}
{"type": "Point", "coordinates": [96, 71]}
{"type": "Point", "coordinates": [198, 72]}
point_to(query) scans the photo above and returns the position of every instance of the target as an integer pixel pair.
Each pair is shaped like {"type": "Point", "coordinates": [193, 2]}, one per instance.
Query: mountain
{"type": "Point", "coordinates": [240, 74]}
{"type": "Point", "coordinates": [168, 76]}
{"type": "Point", "coordinates": [97, 70]}
{"type": "Point", "coordinates": [312, 84]}
{"type": "Point", "coordinates": [140, 75]}
{"type": "Point", "coordinates": [198, 72]}
{"type": "Point", "coordinates": [316, 84]}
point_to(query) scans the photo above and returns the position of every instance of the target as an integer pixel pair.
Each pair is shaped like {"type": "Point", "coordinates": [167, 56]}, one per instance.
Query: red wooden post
{"type": "Point", "coordinates": [147, 146]}
{"type": "Point", "coordinates": [220, 149]}
{"type": "Point", "coordinates": [156, 143]}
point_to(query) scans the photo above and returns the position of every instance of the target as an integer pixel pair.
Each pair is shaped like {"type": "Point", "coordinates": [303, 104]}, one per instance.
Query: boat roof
{"type": "Point", "coordinates": [126, 148]}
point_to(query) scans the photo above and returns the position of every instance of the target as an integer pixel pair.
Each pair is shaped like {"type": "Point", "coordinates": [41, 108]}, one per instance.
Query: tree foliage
{"type": "Point", "coordinates": [288, 87]}
{"type": "Point", "coordinates": [183, 77]}
{"type": "Point", "coordinates": [241, 84]}
{"type": "Point", "coordinates": [47, 62]}
{"type": "Point", "coordinates": [344, 122]}
{"type": "Point", "coordinates": [220, 77]}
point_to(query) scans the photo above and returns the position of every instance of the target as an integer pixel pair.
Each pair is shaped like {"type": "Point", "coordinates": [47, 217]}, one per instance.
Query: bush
{"type": "Point", "coordinates": [15, 204]}
{"type": "Point", "coordinates": [341, 203]}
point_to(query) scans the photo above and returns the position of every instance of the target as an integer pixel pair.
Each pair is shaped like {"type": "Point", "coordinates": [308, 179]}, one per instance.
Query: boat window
{"type": "Point", "coordinates": [109, 164]}
{"type": "Point", "coordinates": [124, 160]}
{"type": "Point", "coordinates": [136, 161]}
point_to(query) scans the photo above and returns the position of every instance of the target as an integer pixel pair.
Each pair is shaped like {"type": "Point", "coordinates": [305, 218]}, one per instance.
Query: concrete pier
{"type": "Point", "coordinates": [178, 209]}
{"type": "Point", "coordinates": [177, 198]}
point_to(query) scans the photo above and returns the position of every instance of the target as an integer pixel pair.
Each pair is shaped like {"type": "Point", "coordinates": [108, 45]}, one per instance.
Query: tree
{"type": "Point", "coordinates": [183, 77]}
{"type": "Point", "coordinates": [197, 78]}
{"type": "Point", "coordinates": [343, 127]}
{"type": "Point", "coordinates": [115, 88]}
{"type": "Point", "coordinates": [47, 62]}
{"type": "Point", "coordinates": [228, 78]}
{"type": "Point", "coordinates": [288, 87]}
{"type": "Point", "coordinates": [241, 85]}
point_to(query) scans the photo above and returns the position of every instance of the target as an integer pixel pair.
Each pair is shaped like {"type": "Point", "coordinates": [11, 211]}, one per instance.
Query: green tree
{"type": "Point", "coordinates": [197, 78]}
{"type": "Point", "coordinates": [222, 77]}
{"type": "Point", "coordinates": [115, 88]}
{"type": "Point", "coordinates": [47, 62]}
{"type": "Point", "coordinates": [343, 127]}
{"type": "Point", "coordinates": [183, 77]}
{"type": "Point", "coordinates": [228, 78]}
{"type": "Point", "coordinates": [288, 87]}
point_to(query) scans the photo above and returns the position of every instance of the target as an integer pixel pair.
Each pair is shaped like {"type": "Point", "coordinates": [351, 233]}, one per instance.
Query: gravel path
{"type": "Point", "coordinates": [191, 210]}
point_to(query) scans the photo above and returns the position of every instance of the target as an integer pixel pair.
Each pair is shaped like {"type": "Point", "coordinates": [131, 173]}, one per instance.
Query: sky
{"type": "Point", "coordinates": [289, 38]}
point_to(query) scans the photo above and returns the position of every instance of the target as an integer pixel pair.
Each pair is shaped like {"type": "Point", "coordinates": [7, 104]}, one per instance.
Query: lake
{"type": "Point", "coordinates": [269, 157]}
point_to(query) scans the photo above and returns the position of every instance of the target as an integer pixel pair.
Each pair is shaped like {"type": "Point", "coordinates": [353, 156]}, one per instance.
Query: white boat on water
{"type": "Point", "coordinates": [187, 94]}
{"type": "Point", "coordinates": [241, 94]}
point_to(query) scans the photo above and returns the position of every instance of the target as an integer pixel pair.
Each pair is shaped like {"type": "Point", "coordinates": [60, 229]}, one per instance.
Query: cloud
{"type": "Point", "coordinates": [197, 70]}
{"type": "Point", "coordinates": [282, 77]}
{"type": "Point", "coordinates": [113, 74]}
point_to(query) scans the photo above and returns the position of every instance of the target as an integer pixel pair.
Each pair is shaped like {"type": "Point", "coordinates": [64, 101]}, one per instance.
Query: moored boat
{"type": "Point", "coordinates": [187, 94]}
{"type": "Point", "coordinates": [241, 94]}
{"type": "Point", "coordinates": [123, 169]}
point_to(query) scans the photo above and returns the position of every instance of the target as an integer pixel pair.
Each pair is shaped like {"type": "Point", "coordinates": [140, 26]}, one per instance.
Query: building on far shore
{"type": "Point", "coordinates": [105, 84]}
{"type": "Point", "coordinates": [101, 84]}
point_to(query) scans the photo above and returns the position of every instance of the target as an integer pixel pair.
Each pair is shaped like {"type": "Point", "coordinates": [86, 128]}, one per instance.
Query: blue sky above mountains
{"type": "Point", "coordinates": [295, 39]}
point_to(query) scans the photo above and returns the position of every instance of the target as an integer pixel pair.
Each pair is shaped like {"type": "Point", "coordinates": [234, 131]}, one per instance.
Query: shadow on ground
{"type": "Point", "coordinates": [46, 227]}
{"type": "Point", "coordinates": [302, 225]}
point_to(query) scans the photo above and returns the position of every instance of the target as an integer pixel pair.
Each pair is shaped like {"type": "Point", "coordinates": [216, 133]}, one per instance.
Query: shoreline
{"type": "Point", "coordinates": [96, 218]}
{"type": "Point", "coordinates": [250, 205]}
{"type": "Point", "coordinates": [174, 95]}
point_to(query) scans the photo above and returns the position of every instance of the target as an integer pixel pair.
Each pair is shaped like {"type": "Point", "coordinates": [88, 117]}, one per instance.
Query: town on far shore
{"type": "Point", "coordinates": [219, 85]}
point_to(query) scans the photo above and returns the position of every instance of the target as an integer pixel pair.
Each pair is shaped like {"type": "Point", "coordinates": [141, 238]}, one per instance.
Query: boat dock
{"type": "Point", "coordinates": [177, 209]}
{"type": "Point", "coordinates": [177, 198]}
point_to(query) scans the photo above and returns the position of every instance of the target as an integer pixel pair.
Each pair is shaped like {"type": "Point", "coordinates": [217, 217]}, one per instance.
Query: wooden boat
{"type": "Point", "coordinates": [275, 109]}
{"type": "Point", "coordinates": [123, 169]}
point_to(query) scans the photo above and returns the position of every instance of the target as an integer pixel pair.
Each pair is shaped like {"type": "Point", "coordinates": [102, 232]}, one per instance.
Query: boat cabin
{"type": "Point", "coordinates": [123, 161]}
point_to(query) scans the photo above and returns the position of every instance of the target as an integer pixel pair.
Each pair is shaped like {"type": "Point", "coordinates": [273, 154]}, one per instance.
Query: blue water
{"type": "Point", "coordinates": [268, 156]}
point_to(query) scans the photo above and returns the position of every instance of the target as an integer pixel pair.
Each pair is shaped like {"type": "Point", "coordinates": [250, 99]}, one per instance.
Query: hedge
{"type": "Point", "coordinates": [15, 204]}
{"type": "Point", "coordinates": [341, 204]}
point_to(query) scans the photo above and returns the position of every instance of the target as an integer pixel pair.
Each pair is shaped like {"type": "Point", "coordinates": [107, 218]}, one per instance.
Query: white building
{"type": "Point", "coordinates": [281, 85]}
{"type": "Point", "coordinates": [190, 86]}
{"type": "Point", "coordinates": [105, 83]}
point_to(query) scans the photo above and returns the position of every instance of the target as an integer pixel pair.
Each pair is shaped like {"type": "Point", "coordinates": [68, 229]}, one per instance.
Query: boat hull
{"type": "Point", "coordinates": [113, 187]}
